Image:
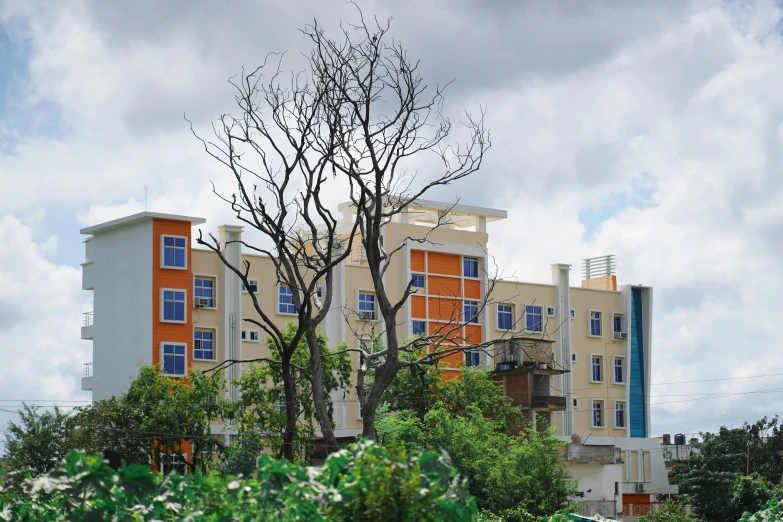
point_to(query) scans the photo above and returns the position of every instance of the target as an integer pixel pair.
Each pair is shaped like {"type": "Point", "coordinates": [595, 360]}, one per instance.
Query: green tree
{"type": "Point", "coordinates": [714, 481]}
{"type": "Point", "coordinates": [262, 387]}
{"type": "Point", "coordinates": [114, 424]}
{"type": "Point", "coordinates": [670, 512]}
{"type": "Point", "coordinates": [39, 440]}
{"type": "Point", "coordinates": [512, 475]}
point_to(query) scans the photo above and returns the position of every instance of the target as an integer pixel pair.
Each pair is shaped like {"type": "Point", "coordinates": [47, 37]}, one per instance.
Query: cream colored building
{"type": "Point", "coordinates": [578, 355]}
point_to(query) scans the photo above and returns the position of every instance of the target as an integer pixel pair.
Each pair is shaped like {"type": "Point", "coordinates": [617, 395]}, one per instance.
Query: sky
{"type": "Point", "coordinates": [651, 130]}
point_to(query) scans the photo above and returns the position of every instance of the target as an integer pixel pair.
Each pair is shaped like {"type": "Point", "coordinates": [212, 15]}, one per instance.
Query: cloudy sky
{"type": "Point", "coordinates": [650, 130]}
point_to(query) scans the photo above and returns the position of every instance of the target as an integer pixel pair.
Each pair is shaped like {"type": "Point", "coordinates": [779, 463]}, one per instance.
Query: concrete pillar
{"type": "Point", "coordinates": [560, 278]}
{"type": "Point", "coordinates": [230, 291]}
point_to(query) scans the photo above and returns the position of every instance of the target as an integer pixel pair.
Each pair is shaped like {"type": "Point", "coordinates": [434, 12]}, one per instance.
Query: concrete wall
{"type": "Point", "coordinates": [122, 279]}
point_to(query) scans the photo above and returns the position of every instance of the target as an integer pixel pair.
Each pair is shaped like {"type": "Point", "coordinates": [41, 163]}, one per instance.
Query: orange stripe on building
{"type": "Point", "coordinates": [447, 264]}
{"type": "Point", "coordinates": [472, 289]}
{"type": "Point", "coordinates": [446, 286]}
{"type": "Point", "coordinates": [454, 360]}
{"type": "Point", "coordinates": [443, 309]}
{"type": "Point", "coordinates": [169, 278]}
{"type": "Point", "coordinates": [417, 261]}
{"type": "Point", "coordinates": [418, 307]}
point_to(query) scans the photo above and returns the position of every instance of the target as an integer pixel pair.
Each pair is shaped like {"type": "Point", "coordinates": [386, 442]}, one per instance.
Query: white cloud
{"type": "Point", "coordinates": [667, 115]}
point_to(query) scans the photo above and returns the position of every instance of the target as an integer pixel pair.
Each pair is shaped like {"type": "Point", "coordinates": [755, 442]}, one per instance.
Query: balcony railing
{"type": "Point", "coordinates": [88, 369]}
{"type": "Point", "coordinates": [87, 319]}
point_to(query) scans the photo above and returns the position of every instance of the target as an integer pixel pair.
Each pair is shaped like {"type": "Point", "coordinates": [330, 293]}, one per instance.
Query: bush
{"type": "Point", "coordinates": [365, 482]}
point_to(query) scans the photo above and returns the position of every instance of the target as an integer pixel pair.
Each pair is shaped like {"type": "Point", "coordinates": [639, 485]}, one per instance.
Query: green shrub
{"type": "Point", "coordinates": [365, 482]}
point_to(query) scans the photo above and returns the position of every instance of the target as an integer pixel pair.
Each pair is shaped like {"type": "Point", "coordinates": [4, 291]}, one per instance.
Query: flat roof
{"type": "Point", "coordinates": [492, 214]}
{"type": "Point", "coordinates": [141, 216]}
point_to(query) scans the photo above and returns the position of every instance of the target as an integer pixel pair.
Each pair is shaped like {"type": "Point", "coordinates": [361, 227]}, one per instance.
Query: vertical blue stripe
{"type": "Point", "coordinates": [637, 409]}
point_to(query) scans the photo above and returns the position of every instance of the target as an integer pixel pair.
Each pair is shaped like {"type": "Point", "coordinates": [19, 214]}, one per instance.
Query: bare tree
{"type": "Point", "coordinates": [279, 151]}
{"type": "Point", "coordinates": [385, 114]}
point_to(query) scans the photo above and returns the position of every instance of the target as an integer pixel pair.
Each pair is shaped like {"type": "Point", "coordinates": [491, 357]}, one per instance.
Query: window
{"type": "Point", "coordinates": [619, 415]}
{"type": "Point", "coordinates": [550, 311]}
{"type": "Point", "coordinates": [534, 319]}
{"type": "Point", "coordinates": [253, 285]}
{"type": "Point", "coordinates": [253, 336]}
{"type": "Point", "coordinates": [505, 317]}
{"type": "Point", "coordinates": [469, 267]}
{"type": "Point", "coordinates": [472, 358]}
{"type": "Point", "coordinates": [619, 373]}
{"type": "Point", "coordinates": [471, 311]}
{"type": "Point", "coordinates": [174, 360]}
{"type": "Point", "coordinates": [285, 300]}
{"type": "Point", "coordinates": [205, 288]}
{"type": "Point", "coordinates": [419, 328]}
{"type": "Point", "coordinates": [367, 306]}
{"type": "Point", "coordinates": [170, 462]}
{"type": "Point", "coordinates": [418, 281]}
{"type": "Point", "coordinates": [575, 403]}
{"type": "Point", "coordinates": [595, 323]}
{"type": "Point", "coordinates": [596, 368]}
{"type": "Point", "coordinates": [573, 357]}
{"type": "Point", "coordinates": [174, 252]}
{"type": "Point", "coordinates": [281, 402]}
{"type": "Point", "coordinates": [174, 306]}
{"type": "Point", "coordinates": [618, 323]}
{"type": "Point", "coordinates": [361, 410]}
{"type": "Point", "coordinates": [598, 414]}
{"type": "Point", "coordinates": [573, 314]}
{"type": "Point", "coordinates": [204, 345]}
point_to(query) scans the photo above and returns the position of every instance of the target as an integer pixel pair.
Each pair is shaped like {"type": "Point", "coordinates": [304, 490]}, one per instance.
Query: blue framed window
{"type": "Point", "coordinates": [595, 323]}
{"type": "Point", "coordinates": [253, 285]}
{"type": "Point", "coordinates": [418, 281]}
{"type": "Point", "coordinates": [505, 317]}
{"type": "Point", "coordinates": [619, 415]}
{"type": "Point", "coordinates": [471, 311]}
{"type": "Point", "coordinates": [281, 402]}
{"type": "Point", "coordinates": [204, 345]}
{"type": "Point", "coordinates": [174, 252]}
{"type": "Point", "coordinates": [174, 306]}
{"type": "Point", "coordinates": [469, 267]}
{"type": "Point", "coordinates": [205, 288]}
{"type": "Point", "coordinates": [598, 414]}
{"type": "Point", "coordinates": [618, 323]}
{"type": "Point", "coordinates": [534, 318]}
{"type": "Point", "coordinates": [619, 371]}
{"type": "Point", "coordinates": [174, 359]}
{"type": "Point", "coordinates": [419, 328]}
{"type": "Point", "coordinates": [285, 300]}
{"type": "Point", "coordinates": [367, 306]}
{"type": "Point", "coordinates": [596, 368]}
{"type": "Point", "coordinates": [472, 358]}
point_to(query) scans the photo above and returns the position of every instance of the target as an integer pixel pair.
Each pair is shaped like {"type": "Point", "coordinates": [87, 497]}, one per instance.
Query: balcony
{"type": "Point", "coordinates": [86, 375]}
{"type": "Point", "coordinates": [87, 326]}
{"type": "Point", "coordinates": [548, 402]}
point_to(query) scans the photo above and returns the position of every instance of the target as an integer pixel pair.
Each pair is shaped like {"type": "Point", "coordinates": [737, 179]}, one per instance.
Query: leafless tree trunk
{"type": "Point", "coordinates": [385, 114]}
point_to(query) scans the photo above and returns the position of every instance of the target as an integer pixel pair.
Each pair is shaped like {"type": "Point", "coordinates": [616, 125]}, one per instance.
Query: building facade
{"type": "Point", "coordinates": [578, 355]}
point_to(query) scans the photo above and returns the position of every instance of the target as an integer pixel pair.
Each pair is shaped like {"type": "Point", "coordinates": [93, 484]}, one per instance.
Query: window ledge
{"type": "Point", "coordinates": [205, 307]}
{"type": "Point", "coordinates": [173, 322]}
{"type": "Point", "coordinates": [618, 384]}
{"type": "Point", "coordinates": [596, 382]}
{"type": "Point", "coordinates": [204, 360]}
{"type": "Point", "coordinates": [174, 267]}
{"type": "Point", "coordinates": [287, 313]}
{"type": "Point", "coordinates": [595, 336]}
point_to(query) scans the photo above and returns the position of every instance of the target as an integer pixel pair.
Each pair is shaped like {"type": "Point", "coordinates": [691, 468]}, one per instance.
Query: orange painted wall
{"type": "Point", "coordinates": [447, 286]}
{"type": "Point", "coordinates": [472, 334]}
{"type": "Point", "coordinates": [472, 289]}
{"type": "Point", "coordinates": [447, 376]}
{"type": "Point", "coordinates": [445, 330]}
{"type": "Point", "coordinates": [454, 360]}
{"type": "Point", "coordinates": [444, 309]}
{"type": "Point", "coordinates": [418, 307]}
{"type": "Point", "coordinates": [439, 263]}
{"type": "Point", "coordinates": [168, 278]}
{"type": "Point", "coordinates": [417, 260]}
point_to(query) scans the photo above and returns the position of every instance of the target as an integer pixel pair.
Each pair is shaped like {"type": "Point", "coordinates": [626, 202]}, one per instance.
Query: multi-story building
{"type": "Point", "coordinates": [579, 356]}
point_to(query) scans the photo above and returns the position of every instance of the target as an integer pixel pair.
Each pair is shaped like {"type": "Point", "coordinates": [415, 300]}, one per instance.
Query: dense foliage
{"type": "Point", "coordinates": [737, 470]}
{"type": "Point", "coordinates": [366, 482]}
{"type": "Point", "coordinates": [670, 512]}
{"type": "Point", "coordinates": [38, 441]}
{"type": "Point", "coordinates": [511, 467]}
{"type": "Point", "coordinates": [771, 512]}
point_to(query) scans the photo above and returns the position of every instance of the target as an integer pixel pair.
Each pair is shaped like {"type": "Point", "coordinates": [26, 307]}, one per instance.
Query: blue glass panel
{"type": "Point", "coordinates": [168, 310]}
{"type": "Point", "coordinates": [180, 242]}
{"type": "Point", "coordinates": [168, 295]}
{"type": "Point", "coordinates": [179, 311]}
{"type": "Point", "coordinates": [168, 256]}
{"type": "Point", "coordinates": [418, 281]}
{"type": "Point", "coordinates": [168, 241]}
{"type": "Point", "coordinates": [179, 365]}
{"type": "Point", "coordinates": [179, 257]}
{"type": "Point", "coordinates": [637, 407]}
{"type": "Point", "coordinates": [418, 327]}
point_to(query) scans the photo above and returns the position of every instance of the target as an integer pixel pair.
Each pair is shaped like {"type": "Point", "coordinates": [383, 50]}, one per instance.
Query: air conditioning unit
{"type": "Point", "coordinates": [201, 302]}
{"type": "Point", "coordinates": [620, 336]}
{"type": "Point", "coordinates": [640, 487]}
{"type": "Point", "coordinates": [366, 314]}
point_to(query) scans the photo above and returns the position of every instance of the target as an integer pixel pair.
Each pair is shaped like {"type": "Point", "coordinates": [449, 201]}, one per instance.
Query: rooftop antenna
{"type": "Point", "coordinates": [145, 198]}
